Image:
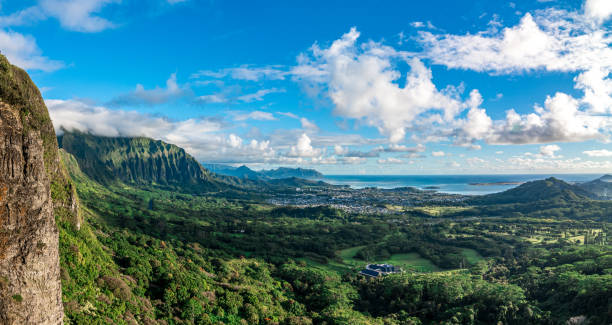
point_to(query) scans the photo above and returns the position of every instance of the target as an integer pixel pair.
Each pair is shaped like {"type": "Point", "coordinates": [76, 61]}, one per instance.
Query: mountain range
{"type": "Point", "coordinates": [281, 172]}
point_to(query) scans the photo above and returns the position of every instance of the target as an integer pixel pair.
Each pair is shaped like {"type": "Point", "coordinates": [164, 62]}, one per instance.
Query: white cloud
{"type": "Point", "coordinates": [598, 153]}
{"type": "Point", "coordinates": [78, 15]}
{"type": "Point", "coordinates": [560, 120]}
{"type": "Point", "coordinates": [549, 150]}
{"type": "Point", "coordinates": [255, 115]}
{"type": "Point", "coordinates": [304, 148]}
{"type": "Point", "coordinates": [599, 10]}
{"type": "Point", "coordinates": [521, 164]}
{"type": "Point", "coordinates": [288, 114]}
{"type": "Point", "coordinates": [354, 160]}
{"type": "Point", "coordinates": [390, 160]}
{"type": "Point", "coordinates": [212, 98]}
{"type": "Point", "coordinates": [339, 150]}
{"type": "Point", "coordinates": [23, 17]}
{"type": "Point", "coordinates": [438, 154]}
{"type": "Point", "coordinates": [234, 141]}
{"type": "Point", "coordinates": [23, 52]}
{"type": "Point", "coordinates": [205, 139]}
{"type": "Point", "coordinates": [362, 83]}
{"type": "Point", "coordinates": [142, 96]}
{"type": "Point", "coordinates": [307, 124]}
{"type": "Point", "coordinates": [401, 148]}
{"type": "Point", "coordinates": [75, 15]}
{"type": "Point", "coordinates": [247, 73]}
{"type": "Point", "coordinates": [552, 40]}
{"type": "Point", "coordinates": [258, 95]}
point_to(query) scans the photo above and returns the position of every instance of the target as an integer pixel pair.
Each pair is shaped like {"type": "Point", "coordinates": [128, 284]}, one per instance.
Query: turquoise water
{"type": "Point", "coordinates": [456, 184]}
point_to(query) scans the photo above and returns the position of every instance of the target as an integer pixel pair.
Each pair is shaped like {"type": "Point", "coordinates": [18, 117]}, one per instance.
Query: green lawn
{"type": "Point", "coordinates": [407, 261]}
{"type": "Point", "coordinates": [411, 262]}
{"type": "Point", "coordinates": [471, 255]}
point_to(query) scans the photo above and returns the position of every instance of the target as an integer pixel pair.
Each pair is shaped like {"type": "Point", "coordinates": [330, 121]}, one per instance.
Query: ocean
{"type": "Point", "coordinates": [455, 184]}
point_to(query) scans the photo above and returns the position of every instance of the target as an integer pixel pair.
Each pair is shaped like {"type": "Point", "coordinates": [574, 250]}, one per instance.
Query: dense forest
{"type": "Point", "coordinates": [150, 254]}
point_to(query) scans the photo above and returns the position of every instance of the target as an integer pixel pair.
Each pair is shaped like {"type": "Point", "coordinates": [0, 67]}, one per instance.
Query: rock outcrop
{"type": "Point", "coordinates": [30, 287]}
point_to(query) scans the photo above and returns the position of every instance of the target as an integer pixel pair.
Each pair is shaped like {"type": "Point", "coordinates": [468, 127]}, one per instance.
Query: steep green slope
{"type": "Point", "coordinates": [137, 160]}
{"type": "Point", "coordinates": [94, 290]}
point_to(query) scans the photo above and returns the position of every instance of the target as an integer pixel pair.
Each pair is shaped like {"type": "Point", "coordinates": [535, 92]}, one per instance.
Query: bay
{"type": "Point", "coordinates": [454, 184]}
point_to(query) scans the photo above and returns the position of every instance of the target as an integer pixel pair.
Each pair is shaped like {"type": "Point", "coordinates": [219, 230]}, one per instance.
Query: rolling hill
{"type": "Point", "coordinates": [541, 190]}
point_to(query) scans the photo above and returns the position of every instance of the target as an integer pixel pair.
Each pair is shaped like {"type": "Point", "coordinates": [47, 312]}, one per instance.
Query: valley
{"type": "Point", "coordinates": [223, 255]}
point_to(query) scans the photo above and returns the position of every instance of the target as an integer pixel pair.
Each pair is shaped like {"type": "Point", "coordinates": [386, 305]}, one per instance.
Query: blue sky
{"type": "Point", "coordinates": [392, 87]}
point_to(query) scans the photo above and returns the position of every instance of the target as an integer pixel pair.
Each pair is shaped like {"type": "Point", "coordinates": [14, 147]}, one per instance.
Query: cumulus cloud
{"type": "Point", "coordinates": [158, 95]}
{"type": "Point", "coordinates": [598, 153]}
{"type": "Point", "coordinates": [304, 148]}
{"type": "Point", "coordinates": [340, 150]}
{"type": "Point", "coordinates": [363, 84]}
{"type": "Point", "coordinates": [599, 10]}
{"type": "Point", "coordinates": [438, 154]}
{"type": "Point", "coordinates": [22, 51]}
{"type": "Point", "coordinates": [549, 150]}
{"type": "Point", "coordinates": [551, 40]}
{"type": "Point", "coordinates": [560, 120]}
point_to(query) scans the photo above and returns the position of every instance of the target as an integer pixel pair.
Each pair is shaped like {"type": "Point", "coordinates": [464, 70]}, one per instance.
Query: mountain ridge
{"type": "Point", "coordinates": [277, 173]}
{"type": "Point", "coordinates": [137, 160]}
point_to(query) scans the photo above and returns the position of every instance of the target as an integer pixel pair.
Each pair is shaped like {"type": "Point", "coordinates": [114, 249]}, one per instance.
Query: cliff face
{"type": "Point", "coordinates": [30, 289]}
{"type": "Point", "coordinates": [136, 160]}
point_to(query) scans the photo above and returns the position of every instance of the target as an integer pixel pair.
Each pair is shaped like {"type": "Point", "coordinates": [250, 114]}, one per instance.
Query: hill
{"type": "Point", "coordinates": [550, 189]}
{"type": "Point", "coordinates": [278, 173]}
{"type": "Point", "coordinates": [601, 187]}
{"type": "Point", "coordinates": [137, 160]}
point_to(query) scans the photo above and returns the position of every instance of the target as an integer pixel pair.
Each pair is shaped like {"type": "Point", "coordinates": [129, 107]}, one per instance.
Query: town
{"type": "Point", "coordinates": [368, 200]}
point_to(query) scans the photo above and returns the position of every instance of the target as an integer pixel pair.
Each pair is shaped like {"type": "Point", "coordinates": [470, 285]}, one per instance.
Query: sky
{"type": "Point", "coordinates": [345, 87]}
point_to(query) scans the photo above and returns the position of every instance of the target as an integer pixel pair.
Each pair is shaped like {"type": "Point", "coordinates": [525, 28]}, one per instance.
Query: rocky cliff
{"type": "Point", "coordinates": [30, 289]}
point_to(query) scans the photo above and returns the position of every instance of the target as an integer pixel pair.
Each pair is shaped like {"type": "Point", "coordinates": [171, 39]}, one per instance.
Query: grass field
{"type": "Point", "coordinates": [407, 261]}
{"type": "Point", "coordinates": [471, 255]}
{"type": "Point", "coordinates": [438, 211]}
